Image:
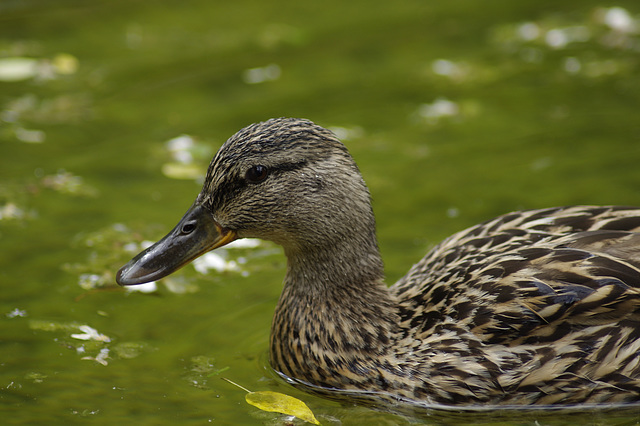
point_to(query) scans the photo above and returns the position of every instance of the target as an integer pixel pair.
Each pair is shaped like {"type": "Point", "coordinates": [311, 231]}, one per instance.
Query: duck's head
{"type": "Point", "coordinates": [285, 180]}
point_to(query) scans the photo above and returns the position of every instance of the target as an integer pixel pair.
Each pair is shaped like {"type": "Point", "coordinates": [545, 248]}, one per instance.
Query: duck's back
{"type": "Point", "coordinates": [539, 306]}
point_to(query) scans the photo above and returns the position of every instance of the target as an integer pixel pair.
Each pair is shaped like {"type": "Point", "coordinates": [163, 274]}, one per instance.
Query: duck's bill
{"type": "Point", "coordinates": [195, 234]}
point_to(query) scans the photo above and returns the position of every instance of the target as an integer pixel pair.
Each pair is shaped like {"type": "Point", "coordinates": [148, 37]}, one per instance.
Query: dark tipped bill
{"type": "Point", "coordinates": [195, 234]}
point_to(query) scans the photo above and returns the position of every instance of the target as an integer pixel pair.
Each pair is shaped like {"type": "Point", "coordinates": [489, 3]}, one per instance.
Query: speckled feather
{"type": "Point", "coordinates": [536, 307]}
{"type": "Point", "coordinates": [533, 307]}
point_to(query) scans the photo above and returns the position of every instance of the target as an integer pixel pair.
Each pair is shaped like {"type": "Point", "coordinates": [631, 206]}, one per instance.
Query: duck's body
{"type": "Point", "coordinates": [535, 307]}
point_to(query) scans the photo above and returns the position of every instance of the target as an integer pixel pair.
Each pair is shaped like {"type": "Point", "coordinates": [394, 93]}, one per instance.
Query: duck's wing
{"type": "Point", "coordinates": [529, 277]}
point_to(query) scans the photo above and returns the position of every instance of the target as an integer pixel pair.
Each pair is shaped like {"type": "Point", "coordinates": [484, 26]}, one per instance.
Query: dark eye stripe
{"type": "Point", "coordinates": [287, 167]}
{"type": "Point", "coordinates": [228, 189]}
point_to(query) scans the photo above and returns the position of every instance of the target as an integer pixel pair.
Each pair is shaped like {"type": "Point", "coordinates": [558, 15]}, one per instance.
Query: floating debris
{"type": "Point", "coordinates": [572, 65]}
{"type": "Point", "coordinates": [613, 27]}
{"type": "Point", "coordinates": [454, 71]}
{"type": "Point", "coordinates": [619, 19]}
{"type": "Point", "coordinates": [181, 171]}
{"type": "Point", "coordinates": [52, 326]}
{"type": "Point", "coordinates": [109, 247]}
{"type": "Point", "coordinates": [90, 333]}
{"type": "Point", "coordinates": [347, 133]}
{"type": "Point", "coordinates": [65, 63]}
{"type": "Point", "coordinates": [180, 285]}
{"type": "Point", "coordinates": [11, 211]}
{"type": "Point", "coordinates": [68, 183]}
{"type": "Point", "coordinates": [218, 261]}
{"type": "Point", "coordinates": [590, 41]}
{"type": "Point", "coordinates": [215, 261]}
{"type": "Point", "coordinates": [129, 350]}
{"type": "Point", "coordinates": [18, 69]}
{"type": "Point", "coordinates": [150, 287]}
{"type": "Point", "coordinates": [270, 72]}
{"type": "Point", "coordinates": [92, 341]}
{"type": "Point", "coordinates": [189, 158]}
{"type": "Point", "coordinates": [528, 31]}
{"type": "Point", "coordinates": [559, 38]}
{"type": "Point", "coordinates": [180, 148]}
{"type": "Point", "coordinates": [14, 69]}
{"type": "Point", "coordinates": [90, 281]}
{"type": "Point", "coordinates": [17, 313]}
{"type": "Point", "coordinates": [439, 109]}
{"type": "Point", "coordinates": [244, 243]}
{"type": "Point", "coordinates": [29, 136]}
{"type": "Point", "coordinates": [101, 358]}
{"type": "Point", "coordinates": [35, 377]}
{"type": "Point", "coordinates": [202, 368]}
{"type": "Point", "coordinates": [453, 212]}
{"type": "Point", "coordinates": [64, 108]}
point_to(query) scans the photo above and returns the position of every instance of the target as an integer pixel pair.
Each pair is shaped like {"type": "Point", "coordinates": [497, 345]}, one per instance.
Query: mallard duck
{"type": "Point", "coordinates": [535, 307]}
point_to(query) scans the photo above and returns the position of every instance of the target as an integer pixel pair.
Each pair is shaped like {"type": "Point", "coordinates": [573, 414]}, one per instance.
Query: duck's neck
{"type": "Point", "coordinates": [335, 315]}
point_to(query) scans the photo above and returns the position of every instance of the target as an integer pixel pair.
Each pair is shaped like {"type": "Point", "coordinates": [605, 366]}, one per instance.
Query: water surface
{"type": "Point", "coordinates": [110, 111]}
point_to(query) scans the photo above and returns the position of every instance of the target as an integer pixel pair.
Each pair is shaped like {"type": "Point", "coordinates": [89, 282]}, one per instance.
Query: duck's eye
{"type": "Point", "coordinates": [188, 227]}
{"type": "Point", "coordinates": [257, 174]}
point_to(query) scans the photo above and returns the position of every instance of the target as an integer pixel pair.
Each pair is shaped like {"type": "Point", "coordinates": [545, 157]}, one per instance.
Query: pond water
{"type": "Point", "coordinates": [455, 111]}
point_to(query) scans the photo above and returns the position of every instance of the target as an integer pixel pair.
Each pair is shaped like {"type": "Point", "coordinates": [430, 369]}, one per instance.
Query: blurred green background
{"type": "Point", "coordinates": [110, 111]}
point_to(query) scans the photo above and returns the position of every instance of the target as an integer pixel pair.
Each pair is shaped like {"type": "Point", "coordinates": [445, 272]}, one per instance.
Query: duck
{"type": "Point", "coordinates": [533, 308]}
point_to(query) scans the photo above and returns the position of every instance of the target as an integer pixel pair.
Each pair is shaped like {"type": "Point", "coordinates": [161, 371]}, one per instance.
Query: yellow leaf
{"type": "Point", "coordinates": [281, 403]}
{"type": "Point", "coordinates": [65, 63]}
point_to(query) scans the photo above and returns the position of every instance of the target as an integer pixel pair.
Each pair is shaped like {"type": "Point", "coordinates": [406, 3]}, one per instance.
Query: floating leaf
{"type": "Point", "coordinates": [281, 403]}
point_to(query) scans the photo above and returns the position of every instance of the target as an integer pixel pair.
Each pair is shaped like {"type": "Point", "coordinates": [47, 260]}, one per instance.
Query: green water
{"type": "Point", "coordinates": [455, 111]}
